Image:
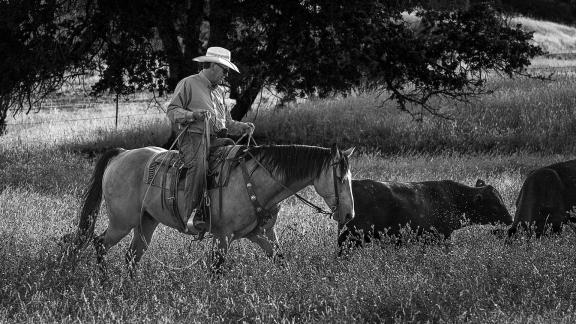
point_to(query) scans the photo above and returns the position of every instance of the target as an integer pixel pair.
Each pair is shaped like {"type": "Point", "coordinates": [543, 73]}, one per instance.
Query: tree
{"type": "Point", "coordinates": [43, 45]}
{"type": "Point", "coordinates": [324, 47]}
{"type": "Point", "coordinates": [299, 47]}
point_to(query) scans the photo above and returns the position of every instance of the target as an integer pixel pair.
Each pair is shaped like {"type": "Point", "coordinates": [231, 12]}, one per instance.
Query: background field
{"type": "Point", "coordinates": [47, 158]}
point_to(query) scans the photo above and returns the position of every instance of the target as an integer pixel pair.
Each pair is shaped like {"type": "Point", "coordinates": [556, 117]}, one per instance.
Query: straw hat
{"type": "Point", "coordinates": [218, 55]}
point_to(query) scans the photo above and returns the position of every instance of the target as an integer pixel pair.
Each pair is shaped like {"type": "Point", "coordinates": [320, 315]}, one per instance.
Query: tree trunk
{"type": "Point", "coordinates": [3, 126]}
{"type": "Point", "coordinates": [185, 27]}
{"type": "Point", "coordinates": [176, 64]}
{"type": "Point", "coordinates": [245, 87]}
{"type": "Point", "coordinates": [245, 97]}
{"type": "Point", "coordinates": [4, 106]}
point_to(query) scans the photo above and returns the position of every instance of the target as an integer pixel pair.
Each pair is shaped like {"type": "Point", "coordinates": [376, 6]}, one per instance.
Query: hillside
{"type": "Point", "coordinates": [553, 37]}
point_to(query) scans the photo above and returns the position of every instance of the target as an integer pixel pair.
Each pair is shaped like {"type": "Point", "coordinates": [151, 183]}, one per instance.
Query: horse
{"type": "Point", "coordinates": [276, 172]}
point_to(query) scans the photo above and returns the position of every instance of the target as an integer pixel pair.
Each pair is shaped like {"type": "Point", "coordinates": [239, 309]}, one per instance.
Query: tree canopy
{"type": "Point", "coordinates": [298, 47]}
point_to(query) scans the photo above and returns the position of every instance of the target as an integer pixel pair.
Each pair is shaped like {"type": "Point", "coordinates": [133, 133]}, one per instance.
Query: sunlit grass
{"type": "Point", "coordinates": [84, 128]}
{"type": "Point", "coordinates": [520, 114]}
{"type": "Point", "coordinates": [478, 277]}
{"type": "Point", "coordinates": [552, 37]}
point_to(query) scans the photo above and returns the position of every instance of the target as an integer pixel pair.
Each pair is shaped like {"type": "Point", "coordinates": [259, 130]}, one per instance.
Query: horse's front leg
{"type": "Point", "coordinates": [267, 240]}
{"type": "Point", "coordinates": [220, 245]}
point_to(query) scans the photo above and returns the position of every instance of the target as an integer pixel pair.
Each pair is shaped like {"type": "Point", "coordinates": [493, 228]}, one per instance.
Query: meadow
{"type": "Point", "coordinates": [46, 159]}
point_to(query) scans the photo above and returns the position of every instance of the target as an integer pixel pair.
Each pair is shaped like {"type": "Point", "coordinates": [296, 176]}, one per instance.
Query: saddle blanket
{"type": "Point", "coordinates": [165, 169]}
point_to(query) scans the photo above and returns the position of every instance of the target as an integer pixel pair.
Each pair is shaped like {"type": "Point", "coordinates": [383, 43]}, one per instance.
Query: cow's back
{"type": "Point", "coordinates": [567, 173]}
{"type": "Point", "coordinates": [546, 195]}
{"type": "Point", "coordinates": [392, 205]}
{"type": "Point", "coordinates": [371, 200]}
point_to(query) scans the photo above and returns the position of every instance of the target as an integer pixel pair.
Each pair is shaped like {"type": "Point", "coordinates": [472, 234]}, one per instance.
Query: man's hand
{"type": "Point", "coordinates": [249, 128]}
{"type": "Point", "coordinates": [197, 115]}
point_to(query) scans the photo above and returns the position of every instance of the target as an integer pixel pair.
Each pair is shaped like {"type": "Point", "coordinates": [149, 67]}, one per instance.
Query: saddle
{"type": "Point", "coordinates": [165, 170]}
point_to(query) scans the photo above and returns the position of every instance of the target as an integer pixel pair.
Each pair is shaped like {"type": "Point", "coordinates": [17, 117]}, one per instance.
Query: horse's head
{"type": "Point", "coordinates": [335, 186]}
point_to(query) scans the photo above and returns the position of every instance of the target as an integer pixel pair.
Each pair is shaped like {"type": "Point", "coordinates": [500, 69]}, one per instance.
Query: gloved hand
{"type": "Point", "coordinates": [248, 128]}
{"type": "Point", "coordinates": [197, 115]}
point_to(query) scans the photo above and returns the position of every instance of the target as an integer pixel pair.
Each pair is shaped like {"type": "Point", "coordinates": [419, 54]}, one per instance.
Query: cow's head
{"type": "Point", "coordinates": [488, 206]}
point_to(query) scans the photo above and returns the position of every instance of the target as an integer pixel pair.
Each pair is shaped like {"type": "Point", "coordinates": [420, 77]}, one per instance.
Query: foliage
{"type": "Point", "coordinates": [299, 48]}
{"type": "Point", "coordinates": [43, 45]}
{"type": "Point", "coordinates": [327, 47]}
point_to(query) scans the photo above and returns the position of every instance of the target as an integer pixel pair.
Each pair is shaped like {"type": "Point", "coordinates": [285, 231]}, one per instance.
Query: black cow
{"type": "Point", "coordinates": [548, 193]}
{"type": "Point", "coordinates": [424, 206]}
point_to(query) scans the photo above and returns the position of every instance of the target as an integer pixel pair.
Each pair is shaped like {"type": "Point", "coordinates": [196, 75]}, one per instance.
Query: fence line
{"type": "Point", "coordinates": [80, 119]}
{"type": "Point", "coordinates": [80, 102]}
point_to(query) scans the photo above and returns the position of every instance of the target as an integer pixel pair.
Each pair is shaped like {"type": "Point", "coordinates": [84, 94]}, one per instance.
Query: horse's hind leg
{"type": "Point", "coordinates": [140, 241]}
{"type": "Point", "coordinates": [105, 241]}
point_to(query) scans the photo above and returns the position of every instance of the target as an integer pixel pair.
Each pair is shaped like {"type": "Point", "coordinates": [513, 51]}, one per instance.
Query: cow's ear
{"type": "Point", "coordinates": [480, 183]}
{"type": "Point", "coordinates": [478, 198]}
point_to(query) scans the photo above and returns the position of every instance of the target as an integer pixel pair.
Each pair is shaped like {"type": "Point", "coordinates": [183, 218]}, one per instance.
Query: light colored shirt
{"type": "Point", "coordinates": [196, 93]}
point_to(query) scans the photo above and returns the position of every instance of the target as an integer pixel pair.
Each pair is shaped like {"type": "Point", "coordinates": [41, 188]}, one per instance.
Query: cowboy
{"type": "Point", "coordinates": [198, 98]}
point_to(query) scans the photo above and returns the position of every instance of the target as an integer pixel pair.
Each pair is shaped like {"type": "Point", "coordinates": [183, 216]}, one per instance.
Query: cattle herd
{"type": "Point", "coordinates": [441, 207]}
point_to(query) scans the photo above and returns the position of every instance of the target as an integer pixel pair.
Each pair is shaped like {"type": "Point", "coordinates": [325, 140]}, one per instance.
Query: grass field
{"type": "Point", "coordinates": [478, 277]}
{"type": "Point", "coordinates": [46, 160]}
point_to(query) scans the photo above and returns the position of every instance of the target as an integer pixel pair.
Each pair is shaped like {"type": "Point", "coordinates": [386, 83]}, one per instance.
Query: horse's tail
{"type": "Point", "coordinates": [93, 199]}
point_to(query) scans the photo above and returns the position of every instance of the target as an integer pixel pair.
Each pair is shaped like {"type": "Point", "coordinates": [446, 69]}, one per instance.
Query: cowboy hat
{"type": "Point", "coordinates": [217, 55]}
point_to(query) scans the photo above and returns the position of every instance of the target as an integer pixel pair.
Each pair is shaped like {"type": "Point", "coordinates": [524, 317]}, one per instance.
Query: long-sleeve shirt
{"type": "Point", "coordinates": [196, 93]}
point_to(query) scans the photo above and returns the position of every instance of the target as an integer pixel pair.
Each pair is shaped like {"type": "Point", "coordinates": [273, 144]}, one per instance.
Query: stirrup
{"type": "Point", "coordinates": [195, 225]}
{"type": "Point", "coordinates": [190, 222]}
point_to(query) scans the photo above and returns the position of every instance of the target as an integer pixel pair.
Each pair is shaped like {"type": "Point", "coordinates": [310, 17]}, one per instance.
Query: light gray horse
{"type": "Point", "coordinates": [276, 173]}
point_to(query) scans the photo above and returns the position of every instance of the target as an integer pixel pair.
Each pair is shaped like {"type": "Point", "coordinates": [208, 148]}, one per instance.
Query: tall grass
{"type": "Point", "coordinates": [520, 115]}
{"type": "Point", "coordinates": [87, 129]}
{"type": "Point", "coordinates": [477, 277]}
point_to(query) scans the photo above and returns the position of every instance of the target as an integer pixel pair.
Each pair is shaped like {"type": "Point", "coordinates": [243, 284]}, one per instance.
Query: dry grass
{"type": "Point", "coordinates": [552, 37]}
{"type": "Point", "coordinates": [477, 278]}
{"type": "Point", "coordinates": [521, 114]}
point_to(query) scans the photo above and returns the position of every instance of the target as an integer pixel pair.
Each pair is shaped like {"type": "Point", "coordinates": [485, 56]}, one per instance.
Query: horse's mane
{"type": "Point", "coordinates": [295, 162]}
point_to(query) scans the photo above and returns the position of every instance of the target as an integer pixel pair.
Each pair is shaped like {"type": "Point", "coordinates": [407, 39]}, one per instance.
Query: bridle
{"type": "Point", "coordinates": [261, 211]}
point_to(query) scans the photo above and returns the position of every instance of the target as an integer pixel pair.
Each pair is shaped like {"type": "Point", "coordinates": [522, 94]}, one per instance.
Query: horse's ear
{"type": "Point", "coordinates": [349, 152]}
{"type": "Point", "coordinates": [480, 183]}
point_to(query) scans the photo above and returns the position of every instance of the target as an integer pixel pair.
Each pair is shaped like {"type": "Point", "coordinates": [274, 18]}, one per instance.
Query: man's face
{"type": "Point", "coordinates": [220, 72]}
